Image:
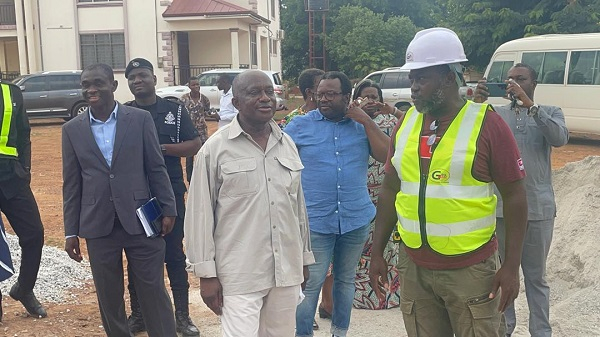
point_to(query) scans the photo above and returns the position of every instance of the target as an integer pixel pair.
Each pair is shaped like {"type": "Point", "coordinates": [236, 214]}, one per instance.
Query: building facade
{"type": "Point", "coordinates": [181, 38]}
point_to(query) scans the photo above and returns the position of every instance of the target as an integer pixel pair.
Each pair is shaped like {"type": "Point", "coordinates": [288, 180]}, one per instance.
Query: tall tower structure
{"type": "Point", "coordinates": [316, 32]}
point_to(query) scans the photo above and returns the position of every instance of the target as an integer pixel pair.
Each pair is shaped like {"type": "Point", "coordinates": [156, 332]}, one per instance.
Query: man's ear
{"type": "Point", "coordinates": [154, 77]}
{"type": "Point", "coordinates": [115, 85]}
{"type": "Point", "coordinates": [348, 98]}
{"type": "Point", "coordinates": [235, 103]}
{"type": "Point", "coordinates": [450, 78]}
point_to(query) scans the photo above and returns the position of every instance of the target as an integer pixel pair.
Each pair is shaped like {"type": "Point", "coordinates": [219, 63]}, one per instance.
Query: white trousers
{"type": "Point", "coordinates": [266, 313]}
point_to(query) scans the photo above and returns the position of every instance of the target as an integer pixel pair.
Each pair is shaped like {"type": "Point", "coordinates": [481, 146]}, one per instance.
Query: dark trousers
{"type": "Point", "coordinates": [174, 258]}
{"type": "Point", "coordinates": [22, 213]}
{"type": "Point", "coordinates": [145, 258]}
{"type": "Point", "coordinates": [189, 167]}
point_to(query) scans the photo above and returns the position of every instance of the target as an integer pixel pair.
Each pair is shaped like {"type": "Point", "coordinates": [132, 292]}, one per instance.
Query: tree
{"type": "Point", "coordinates": [576, 16]}
{"type": "Point", "coordinates": [362, 41]}
{"type": "Point", "coordinates": [294, 48]}
{"type": "Point", "coordinates": [294, 20]}
{"type": "Point", "coordinates": [484, 25]}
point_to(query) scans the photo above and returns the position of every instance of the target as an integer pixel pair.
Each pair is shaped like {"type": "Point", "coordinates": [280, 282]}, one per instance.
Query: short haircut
{"type": "Point", "coordinates": [344, 80]}
{"type": "Point", "coordinates": [532, 71]}
{"type": "Point", "coordinates": [306, 80]}
{"type": "Point", "coordinates": [367, 84]}
{"type": "Point", "coordinates": [227, 77]}
{"type": "Point", "coordinates": [105, 68]}
{"type": "Point", "coordinates": [240, 82]}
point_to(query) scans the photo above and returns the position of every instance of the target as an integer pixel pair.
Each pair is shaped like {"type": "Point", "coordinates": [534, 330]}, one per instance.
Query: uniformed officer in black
{"type": "Point", "coordinates": [16, 199]}
{"type": "Point", "coordinates": [178, 138]}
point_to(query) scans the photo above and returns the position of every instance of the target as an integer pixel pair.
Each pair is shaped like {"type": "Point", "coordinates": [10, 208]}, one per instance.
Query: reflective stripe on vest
{"type": "Point", "coordinates": [458, 211]}
{"type": "Point", "coordinates": [6, 121]}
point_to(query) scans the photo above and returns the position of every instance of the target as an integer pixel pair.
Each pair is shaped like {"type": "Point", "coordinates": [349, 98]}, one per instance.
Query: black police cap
{"type": "Point", "coordinates": [138, 62]}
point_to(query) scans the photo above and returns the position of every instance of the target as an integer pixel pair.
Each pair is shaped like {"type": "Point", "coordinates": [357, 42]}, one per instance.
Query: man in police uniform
{"type": "Point", "coordinates": [178, 138]}
{"type": "Point", "coordinates": [16, 199]}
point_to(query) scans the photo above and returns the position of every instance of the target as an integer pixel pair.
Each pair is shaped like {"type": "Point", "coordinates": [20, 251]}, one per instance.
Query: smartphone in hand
{"type": "Point", "coordinates": [496, 89]}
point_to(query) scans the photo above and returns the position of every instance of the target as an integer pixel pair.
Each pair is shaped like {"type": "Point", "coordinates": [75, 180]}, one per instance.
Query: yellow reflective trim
{"type": "Point", "coordinates": [448, 191]}
{"type": "Point", "coordinates": [447, 229]}
{"type": "Point", "coordinates": [6, 121]}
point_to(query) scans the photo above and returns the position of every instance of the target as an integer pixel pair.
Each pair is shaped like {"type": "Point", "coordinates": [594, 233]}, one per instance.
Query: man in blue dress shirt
{"type": "Point", "coordinates": [334, 143]}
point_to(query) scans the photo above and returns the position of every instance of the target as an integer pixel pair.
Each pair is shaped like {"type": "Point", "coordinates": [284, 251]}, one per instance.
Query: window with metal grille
{"type": "Point", "coordinates": [103, 48]}
{"type": "Point", "coordinates": [253, 50]}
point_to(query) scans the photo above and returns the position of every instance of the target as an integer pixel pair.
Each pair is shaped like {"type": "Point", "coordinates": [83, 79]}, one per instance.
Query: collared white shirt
{"type": "Point", "coordinates": [227, 111]}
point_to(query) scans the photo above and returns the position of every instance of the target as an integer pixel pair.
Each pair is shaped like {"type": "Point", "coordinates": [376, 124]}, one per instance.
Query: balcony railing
{"type": "Point", "coordinates": [9, 76]}
{"type": "Point", "coordinates": [183, 73]}
{"type": "Point", "coordinates": [7, 14]}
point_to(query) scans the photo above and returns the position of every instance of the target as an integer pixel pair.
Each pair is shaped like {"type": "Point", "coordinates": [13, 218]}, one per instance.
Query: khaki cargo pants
{"type": "Point", "coordinates": [440, 303]}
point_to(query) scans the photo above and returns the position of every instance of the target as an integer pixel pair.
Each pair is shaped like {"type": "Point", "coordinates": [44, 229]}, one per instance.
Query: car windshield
{"type": "Point", "coordinates": [18, 79]}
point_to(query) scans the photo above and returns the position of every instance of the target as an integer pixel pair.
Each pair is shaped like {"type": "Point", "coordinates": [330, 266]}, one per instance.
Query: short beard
{"type": "Point", "coordinates": [432, 106]}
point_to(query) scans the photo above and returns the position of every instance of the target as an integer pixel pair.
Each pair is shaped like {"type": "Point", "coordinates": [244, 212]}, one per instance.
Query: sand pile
{"type": "Point", "coordinates": [574, 262]}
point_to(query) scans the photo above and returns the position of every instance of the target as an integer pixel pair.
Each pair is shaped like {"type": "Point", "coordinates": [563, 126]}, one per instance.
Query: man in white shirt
{"type": "Point", "coordinates": [227, 111]}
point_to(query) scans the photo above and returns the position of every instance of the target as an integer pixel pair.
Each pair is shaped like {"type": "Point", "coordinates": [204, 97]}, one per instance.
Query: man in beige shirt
{"type": "Point", "coordinates": [246, 225]}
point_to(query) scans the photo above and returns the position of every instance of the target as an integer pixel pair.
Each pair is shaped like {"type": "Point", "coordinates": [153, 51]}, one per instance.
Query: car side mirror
{"type": "Point", "coordinates": [22, 87]}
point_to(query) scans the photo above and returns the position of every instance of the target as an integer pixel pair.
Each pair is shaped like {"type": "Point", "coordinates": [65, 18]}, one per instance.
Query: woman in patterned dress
{"type": "Point", "coordinates": [198, 107]}
{"type": "Point", "coordinates": [307, 82]}
{"type": "Point", "coordinates": [384, 116]}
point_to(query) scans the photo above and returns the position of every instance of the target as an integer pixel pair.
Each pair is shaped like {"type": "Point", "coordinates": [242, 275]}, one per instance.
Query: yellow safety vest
{"type": "Point", "coordinates": [5, 149]}
{"type": "Point", "coordinates": [446, 208]}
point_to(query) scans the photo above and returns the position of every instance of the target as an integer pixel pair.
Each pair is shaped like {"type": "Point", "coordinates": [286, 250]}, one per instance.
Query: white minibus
{"type": "Point", "coordinates": [568, 74]}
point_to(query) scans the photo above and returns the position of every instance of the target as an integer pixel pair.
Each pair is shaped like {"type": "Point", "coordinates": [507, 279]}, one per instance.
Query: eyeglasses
{"type": "Point", "coordinates": [433, 127]}
{"type": "Point", "coordinates": [330, 95]}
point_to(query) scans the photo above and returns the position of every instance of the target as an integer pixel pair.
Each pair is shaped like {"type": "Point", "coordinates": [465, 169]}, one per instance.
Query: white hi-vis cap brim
{"type": "Point", "coordinates": [432, 47]}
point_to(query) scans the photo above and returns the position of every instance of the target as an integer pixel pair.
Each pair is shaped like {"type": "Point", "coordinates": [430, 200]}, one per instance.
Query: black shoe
{"type": "Point", "coordinates": [185, 326]}
{"type": "Point", "coordinates": [315, 325]}
{"type": "Point", "coordinates": [31, 304]}
{"type": "Point", "coordinates": [136, 323]}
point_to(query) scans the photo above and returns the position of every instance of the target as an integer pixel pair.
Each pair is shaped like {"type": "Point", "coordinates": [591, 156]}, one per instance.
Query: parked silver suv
{"type": "Point", "coordinates": [395, 87]}
{"type": "Point", "coordinates": [52, 94]}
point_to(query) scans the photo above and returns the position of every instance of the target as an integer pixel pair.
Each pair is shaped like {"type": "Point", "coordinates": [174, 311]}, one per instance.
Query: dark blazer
{"type": "Point", "coordinates": [93, 192]}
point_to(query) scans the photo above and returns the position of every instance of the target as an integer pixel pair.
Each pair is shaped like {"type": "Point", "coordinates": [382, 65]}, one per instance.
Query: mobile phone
{"type": "Point", "coordinates": [496, 89]}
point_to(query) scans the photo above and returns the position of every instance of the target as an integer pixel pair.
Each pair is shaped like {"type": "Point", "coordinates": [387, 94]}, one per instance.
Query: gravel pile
{"type": "Point", "coordinates": [57, 274]}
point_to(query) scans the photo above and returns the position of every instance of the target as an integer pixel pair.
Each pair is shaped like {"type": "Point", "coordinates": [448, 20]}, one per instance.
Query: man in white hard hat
{"type": "Point", "coordinates": [444, 158]}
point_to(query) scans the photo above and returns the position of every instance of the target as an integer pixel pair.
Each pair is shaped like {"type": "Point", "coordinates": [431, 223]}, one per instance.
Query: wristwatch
{"type": "Point", "coordinates": [533, 110]}
{"type": "Point", "coordinates": [163, 149]}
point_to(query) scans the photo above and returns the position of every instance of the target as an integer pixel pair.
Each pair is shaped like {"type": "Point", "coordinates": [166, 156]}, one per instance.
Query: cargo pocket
{"type": "Point", "coordinates": [292, 168]}
{"type": "Point", "coordinates": [407, 307]}
{"type": "Point", "coordinates": [486, 319]}
{"type": "Point", "coordinates": [239, 178]}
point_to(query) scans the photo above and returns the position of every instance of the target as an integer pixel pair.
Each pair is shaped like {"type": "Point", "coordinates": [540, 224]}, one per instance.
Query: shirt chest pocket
{"type": "Point", "coordinates": [239, 178]}
{"type": "Point", "coordinates": [290, 173]}
{"type": "Point", "coordinates": [167, 129]}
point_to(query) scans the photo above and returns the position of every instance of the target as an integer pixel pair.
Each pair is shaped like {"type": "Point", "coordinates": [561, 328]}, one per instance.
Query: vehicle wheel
{"type": "Point", "coordinates": [404, 106]}
{"type": "Point", "coordinates": [78, 109]}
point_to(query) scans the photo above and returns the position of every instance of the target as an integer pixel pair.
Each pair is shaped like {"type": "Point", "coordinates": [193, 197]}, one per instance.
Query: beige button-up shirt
{"type": "Point", "coordinates": [246, 220]}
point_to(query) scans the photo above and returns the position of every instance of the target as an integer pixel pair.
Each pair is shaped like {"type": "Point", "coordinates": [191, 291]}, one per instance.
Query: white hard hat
{"type": "Point", "coordinates": [432, 47]}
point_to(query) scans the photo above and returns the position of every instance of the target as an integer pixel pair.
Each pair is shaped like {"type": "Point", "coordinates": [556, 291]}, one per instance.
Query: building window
{"type": "Point", "coordinates": [253, 50]}
{"type": "Point", "coordinates": [274, 47]}
{"type": "Point", "coordinates": [273, 4]}
{"type": "Point", "coordinates": [103, 48]}
{"type": "Point", "coordinates": [98, 0]}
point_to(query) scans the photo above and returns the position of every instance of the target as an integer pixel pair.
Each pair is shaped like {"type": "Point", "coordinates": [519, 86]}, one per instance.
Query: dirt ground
{"type": "Point", "coordinates": [82, 318]}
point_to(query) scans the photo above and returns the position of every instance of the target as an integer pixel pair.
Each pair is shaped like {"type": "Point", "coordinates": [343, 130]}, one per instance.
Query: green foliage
{"type": "Point", "coordinates": [366, 35]}
{"type": "Point", "coordinates": [362, 41]}
{"type": "Point", "coordinates": [574, 17]}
